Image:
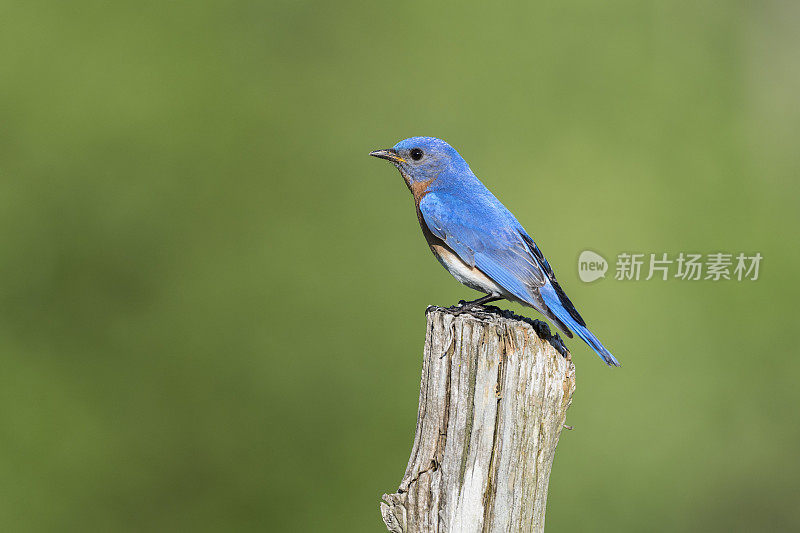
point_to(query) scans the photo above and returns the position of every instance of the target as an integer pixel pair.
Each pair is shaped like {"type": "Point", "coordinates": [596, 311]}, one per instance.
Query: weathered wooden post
{"type": "Point", "coordinates": [493, 399]}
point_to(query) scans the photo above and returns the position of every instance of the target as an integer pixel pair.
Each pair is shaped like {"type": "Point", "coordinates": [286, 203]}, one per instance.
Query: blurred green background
{"type": "Point", "coordinates": [212, 298]}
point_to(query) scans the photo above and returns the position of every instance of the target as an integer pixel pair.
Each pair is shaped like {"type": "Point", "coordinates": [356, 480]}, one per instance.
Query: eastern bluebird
{"type": "Point", "coordinates": [477, 239]}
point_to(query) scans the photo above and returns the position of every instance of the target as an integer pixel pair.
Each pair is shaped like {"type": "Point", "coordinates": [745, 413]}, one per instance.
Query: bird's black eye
{"type": "Point", "coordinates": [416, 154]}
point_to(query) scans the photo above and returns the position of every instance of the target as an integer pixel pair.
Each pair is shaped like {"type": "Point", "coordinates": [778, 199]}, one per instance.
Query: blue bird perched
{"type": "Point", "coordinates": [477, 239]}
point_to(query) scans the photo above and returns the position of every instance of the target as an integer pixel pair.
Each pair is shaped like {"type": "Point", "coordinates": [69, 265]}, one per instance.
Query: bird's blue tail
{"type": "Point", "coordinates": [592, 341]}
{"type": "Point", "coordinates": [556, 306]}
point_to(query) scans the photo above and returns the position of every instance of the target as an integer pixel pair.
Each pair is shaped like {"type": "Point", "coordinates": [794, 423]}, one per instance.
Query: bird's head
{"type": "Point", "coordinates": [421, 160]}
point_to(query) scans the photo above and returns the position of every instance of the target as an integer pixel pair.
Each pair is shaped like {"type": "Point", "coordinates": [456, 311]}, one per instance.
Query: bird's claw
{"type": "Point", "coordinates": [464, 306]}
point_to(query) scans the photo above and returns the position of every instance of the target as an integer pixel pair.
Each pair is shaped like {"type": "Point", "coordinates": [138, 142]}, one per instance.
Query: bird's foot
{"type": "Point", "coordinates": [474, 305]}
{"type": "Point", "coordinates": [462, 307]}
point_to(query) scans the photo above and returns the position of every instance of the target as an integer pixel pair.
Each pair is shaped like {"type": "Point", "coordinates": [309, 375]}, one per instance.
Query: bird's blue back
{"type": "Point", "coordinates": [461, 211]}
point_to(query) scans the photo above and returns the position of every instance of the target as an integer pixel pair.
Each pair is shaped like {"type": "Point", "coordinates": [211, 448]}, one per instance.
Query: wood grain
{"type": "Point", "coordinates": [493, 399]}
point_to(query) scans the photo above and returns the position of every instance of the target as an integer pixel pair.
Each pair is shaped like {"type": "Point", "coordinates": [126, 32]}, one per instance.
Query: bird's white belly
{"type": "Point", "coordinates": [469, 276]}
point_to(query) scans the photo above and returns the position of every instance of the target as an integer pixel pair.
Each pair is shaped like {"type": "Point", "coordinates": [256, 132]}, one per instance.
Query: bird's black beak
{"type": "Point", "coordinates": [390, 154]}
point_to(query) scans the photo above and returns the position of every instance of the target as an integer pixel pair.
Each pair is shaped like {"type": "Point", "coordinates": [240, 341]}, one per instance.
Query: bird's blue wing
{"type": "Point", "coordinates": [480, 235]}
{"type": "Point", "coordinates": [485, 235]}
{"type": "Point", "coordinates": [461, 236]}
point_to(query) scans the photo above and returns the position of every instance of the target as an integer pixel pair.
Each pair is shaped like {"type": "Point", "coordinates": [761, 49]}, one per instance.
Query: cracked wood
{"type": "Point", "coordinates": [493, 399]}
